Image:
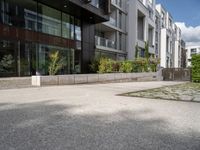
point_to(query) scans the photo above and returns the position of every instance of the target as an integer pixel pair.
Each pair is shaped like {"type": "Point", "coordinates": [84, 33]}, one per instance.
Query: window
{"type": "Point", "coordinates": [142, 53]}
{"type": "Point", "coordinates": [193, 51]}
{"type": "Point", "coordinates": [120, 41]}
{"type": "Point", "coordinates": [19, 13]}
{"type": "Point", "coordinates": [49, 20]}
{"type": "Point", "coordinates": [140, 27]}
{"type": "Point", "coordinates": [67, 26]}
{"type": "Point", "coordinates": [95, 3]}
{"type": "Point", "coordinates": [120, 20]}
{"type": "Point", "coordinates": [77, 29]}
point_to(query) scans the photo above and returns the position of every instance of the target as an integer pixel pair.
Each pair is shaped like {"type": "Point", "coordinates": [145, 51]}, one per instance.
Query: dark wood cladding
{"type": "Point", "coordinates": [13, 33]}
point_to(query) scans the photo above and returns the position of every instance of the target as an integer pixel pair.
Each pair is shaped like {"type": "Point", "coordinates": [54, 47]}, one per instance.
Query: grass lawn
{"type": "Point", "coordinates": [182, 92]}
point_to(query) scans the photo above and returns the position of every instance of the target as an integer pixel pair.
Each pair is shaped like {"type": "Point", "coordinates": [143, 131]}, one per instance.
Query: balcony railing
{"type": "Point", "coordinates": [105, 42]}
{"type": "Point", "coordinates": [95, 3]}
{"type": "Point", "coordinates": [112, 22]}
{"type": "Point", "coordinates": [116, 2]}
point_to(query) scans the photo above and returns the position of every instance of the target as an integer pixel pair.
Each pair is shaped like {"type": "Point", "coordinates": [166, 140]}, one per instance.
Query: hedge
{"type": "Point", "coordinates": [106, 65]}
{"type": "Point", "coordinates": [196, 68]}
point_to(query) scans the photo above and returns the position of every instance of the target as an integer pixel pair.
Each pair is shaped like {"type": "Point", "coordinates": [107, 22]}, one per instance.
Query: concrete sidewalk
{"type": "Point", "coordinates": [93, 117]}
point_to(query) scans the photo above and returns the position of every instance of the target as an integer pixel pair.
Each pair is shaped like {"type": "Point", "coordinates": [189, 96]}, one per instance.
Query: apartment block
{"type": "Point", "coordinates": [82, 30]}
{"type": "Point", "coordinates": [191, 50]}
{"type": "Point", "coordinates": [141, 27]}
{"type": "Point", "coordinates": [177, 50]}
{"type": "Point", "coordinates": [170, 44]}
{"type": "Point", "coordinates": [111, 36]}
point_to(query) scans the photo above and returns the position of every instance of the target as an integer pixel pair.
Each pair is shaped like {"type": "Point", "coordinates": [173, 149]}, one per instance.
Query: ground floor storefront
{"type": "Point", "coordinates": [19, 58]}
{"type": "Point", "coordinates": [32, 30]}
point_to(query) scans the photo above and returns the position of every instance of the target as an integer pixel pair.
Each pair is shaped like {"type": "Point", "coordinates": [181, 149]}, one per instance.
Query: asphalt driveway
{"type": "Point", "coordinates": [93, 117]}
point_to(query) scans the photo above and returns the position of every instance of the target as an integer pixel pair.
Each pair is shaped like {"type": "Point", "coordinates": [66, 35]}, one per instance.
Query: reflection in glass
{"type": "Point", "coordinates": [24, 58]}
{"type": "Point", "coordinates": [49, 20]}
{"type": "Point", "coordinates": [67, 26]}
{"type": "Point", "coordinates": [43, 58]}
{"type": "Point", "coordinates": [77, 30]}
{"type": "Point", "coordinates": [8, 60]}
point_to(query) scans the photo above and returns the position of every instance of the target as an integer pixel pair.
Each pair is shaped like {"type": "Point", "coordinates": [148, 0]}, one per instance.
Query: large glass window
{"type": "Point", "coordinates": [20, 13]}
{"type": "Point", "coordinates": [77, 29]}
{"type": "Point", "coordinates": [8, 58]}
{"type": "Point", "coordinates": [49, 20]}
{"type": "Point", "coordinates": [22, 58]}
{"type": "Point", "coordinates": [43, 58]}
{"type": "Point", "coordinates": [95, 3]}
{"type": "Point", "coordinates": [1, 11]}
{"type": "Point", "coordinates": [67, 26]}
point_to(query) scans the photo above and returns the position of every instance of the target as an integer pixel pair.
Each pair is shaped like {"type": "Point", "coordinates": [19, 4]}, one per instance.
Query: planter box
{"type": "Point", "coordinates": [92, 78]}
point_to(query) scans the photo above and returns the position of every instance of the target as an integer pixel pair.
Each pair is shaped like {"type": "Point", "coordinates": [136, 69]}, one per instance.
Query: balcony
{"type": "Point", "coordinates": [112, 22]}
{"type": "Point", "coordinates": [99, 41]}
{"type": "Point", "coordinates": [116, 2]}
{"type": "Point", "coordinates": [95, 3]}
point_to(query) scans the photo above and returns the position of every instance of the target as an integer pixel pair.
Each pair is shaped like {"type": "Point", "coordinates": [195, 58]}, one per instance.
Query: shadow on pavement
{"type": "Point", "coordinates": [50, 126]}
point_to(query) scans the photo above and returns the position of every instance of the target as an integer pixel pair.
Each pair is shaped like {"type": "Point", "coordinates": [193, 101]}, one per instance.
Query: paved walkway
{"type": "Point", "coordinates": [93, 117]}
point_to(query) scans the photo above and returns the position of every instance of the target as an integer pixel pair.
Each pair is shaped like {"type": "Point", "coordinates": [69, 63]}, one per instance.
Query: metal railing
{"type": "Point", "coordinates": [105, 42]}
{"type": "Point", "coordinates": [95, 3]}
{"type": "Point", "coordinates": [112, 22]}
{"type": "Point", "coordinates": [116, 2]}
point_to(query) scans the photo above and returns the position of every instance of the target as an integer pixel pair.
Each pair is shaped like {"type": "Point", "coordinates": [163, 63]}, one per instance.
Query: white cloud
{"type": "Point", "coordinates": [190, 34]}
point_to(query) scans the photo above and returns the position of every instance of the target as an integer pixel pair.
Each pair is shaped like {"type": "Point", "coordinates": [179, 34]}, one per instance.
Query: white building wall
{"type": "Point", "coordinates": [133, 7]}
{"type": "Point", "coordinates": [163, 45]}
{"type": "Point", "coordinates": [171, 51]}
{"type": "Point", "coordinates": [189, 53]}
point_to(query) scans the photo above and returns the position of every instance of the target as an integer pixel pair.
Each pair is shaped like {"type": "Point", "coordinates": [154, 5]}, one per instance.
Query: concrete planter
{"type": "Point", "coordinates": [92, 78]}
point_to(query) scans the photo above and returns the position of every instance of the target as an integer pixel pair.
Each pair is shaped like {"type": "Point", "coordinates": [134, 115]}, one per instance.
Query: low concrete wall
{"type": "Point", "coordinates": [92, 78]}
{"type": "Point", "coordinates": [15, 82]}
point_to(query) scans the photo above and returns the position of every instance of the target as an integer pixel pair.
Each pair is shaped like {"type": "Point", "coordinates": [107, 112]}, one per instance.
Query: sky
{"type": "Point", "coordinates": [186, 14]}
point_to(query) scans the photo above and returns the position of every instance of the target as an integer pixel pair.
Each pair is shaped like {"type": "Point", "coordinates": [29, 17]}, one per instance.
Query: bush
{"type": "Point", "coordinates": [95, 65]}
{"type": "Point", "coordinates": [106, 65]}
{"type": "Point", "coordinates": [196, 68]}
{"type": "Point", "coordinates": [142, 65]}
{"type": "Point", "coordinates": [126, 67]}
{"type": "Point", "coordinates": [56, 62]}
{"type": "Point", "coordinates": [153, 63]}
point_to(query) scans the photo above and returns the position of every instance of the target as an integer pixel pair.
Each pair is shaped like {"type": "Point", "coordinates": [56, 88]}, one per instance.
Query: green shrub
{"type": "Point", "coordinates": [116, 66]}
{"type": "Point", "coordinates": [95, 65]}
{"type": "Point", "coordinates": [196, 68]}
{"type": "Point", "coordinates": [106, 65]}
{"type": "Point", "coordinates": [56, 62]}
{"type": "Point", "coordinates": [126, 66]}
{"type": "Point", "coordinates": [153, 63]}
{"type": "Point", "coordinates": [142, 65]}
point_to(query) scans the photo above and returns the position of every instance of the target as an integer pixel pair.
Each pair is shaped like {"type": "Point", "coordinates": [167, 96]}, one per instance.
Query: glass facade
{"type": "Point", "coordinates": [30, 32]}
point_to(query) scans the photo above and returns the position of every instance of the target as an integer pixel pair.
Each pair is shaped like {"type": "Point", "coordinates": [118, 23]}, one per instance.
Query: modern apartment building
{"type": "Point", "coordinates": [157, 35]}
{"type": "Point", "coordinates": [167, 47]}
{"type": "Point", "coordinates": [141, 27]}
{"type": "Point", "coordinates": [177, 48]}
{"type": "Point", "coordinates": [82, 29]}
{"type": "Point", "coordinates": [191, 50]}
{"type": "Point", "coordinates": [111, 36]}
{"type": "Point", "coordinates": [32, 29]}
{"type": "Point", "coordinates": [170, 53]}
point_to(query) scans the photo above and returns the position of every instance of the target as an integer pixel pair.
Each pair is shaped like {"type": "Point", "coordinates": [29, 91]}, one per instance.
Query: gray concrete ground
{"type": "Point", "coordinates": [93, 117]}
